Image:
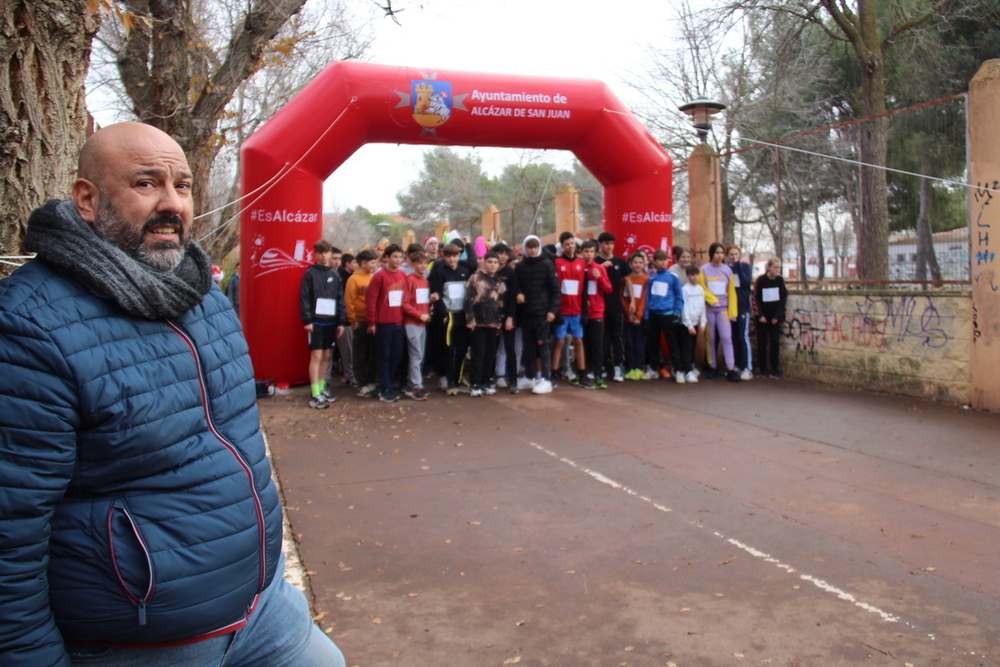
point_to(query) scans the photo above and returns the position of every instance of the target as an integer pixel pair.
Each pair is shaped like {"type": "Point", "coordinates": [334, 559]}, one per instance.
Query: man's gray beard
{"type": "Point", "coordinates": [162, 255]}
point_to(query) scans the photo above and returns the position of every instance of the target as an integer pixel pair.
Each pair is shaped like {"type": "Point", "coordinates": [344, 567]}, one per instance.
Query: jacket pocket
{"type": "Point", "coordinates": [130, 558]}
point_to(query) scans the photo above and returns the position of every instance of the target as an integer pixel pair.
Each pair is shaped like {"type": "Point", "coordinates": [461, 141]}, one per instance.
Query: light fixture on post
{"type": "Point", "coordinates": [701, 111]}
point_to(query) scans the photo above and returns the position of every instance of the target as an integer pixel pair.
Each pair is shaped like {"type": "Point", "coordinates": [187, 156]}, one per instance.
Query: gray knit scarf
{"type": "Point", "coordinates": [58, 234]}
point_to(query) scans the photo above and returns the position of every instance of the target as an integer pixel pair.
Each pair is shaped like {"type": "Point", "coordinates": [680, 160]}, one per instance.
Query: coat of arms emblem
{"type": "Point", "coordinates": [432, 102]}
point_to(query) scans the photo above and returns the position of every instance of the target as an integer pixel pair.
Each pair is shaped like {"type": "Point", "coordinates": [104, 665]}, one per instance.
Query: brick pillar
{"type": "Point", "coordinates": [704, 202]}
{"type": "Point", "coordinates": [567, 210]}
{"type": "Point", "coordinates": [984, 226]}
{"type": "Point", "coordinates": [440, 230]}
{"type": "Point", "coordinates": [491, 224]}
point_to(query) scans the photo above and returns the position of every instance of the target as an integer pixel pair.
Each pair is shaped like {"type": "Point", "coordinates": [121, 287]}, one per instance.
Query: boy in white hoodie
{"type": "Point", "coordinates": [693, 319]}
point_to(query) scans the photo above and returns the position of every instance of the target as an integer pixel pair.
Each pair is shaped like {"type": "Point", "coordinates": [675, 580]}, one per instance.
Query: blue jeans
{"type": "Point", "coordinates": [280, 633]}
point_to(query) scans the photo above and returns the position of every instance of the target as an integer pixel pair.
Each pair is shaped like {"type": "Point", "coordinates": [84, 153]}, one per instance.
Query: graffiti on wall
{"type": "Point", "coordinates": [873, 323]}
{"type": "Point", "coordinates": [985, 256]}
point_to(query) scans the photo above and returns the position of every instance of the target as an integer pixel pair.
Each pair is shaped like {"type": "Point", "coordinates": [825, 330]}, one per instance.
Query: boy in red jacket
{"type": "Point", "coordinates": [416, 315]}
{"type": "Point", "coordinates": [597, 285]}
{"type": "Point", "coordinates": [570, 272]}
{"type": "Point", "coordinates": [384, 306]}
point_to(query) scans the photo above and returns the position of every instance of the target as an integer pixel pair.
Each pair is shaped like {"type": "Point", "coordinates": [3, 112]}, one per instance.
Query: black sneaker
{"type": "Point", "coordinates": [319, 402]}
{"type": "Point", "coordinates": [776, 375]}
{"type": "Point", "coordinates": [586, 382]}
{"type": "Point", "coordinates": [599, 383]}
{"type": "Point", "coordinates": [733, 376]}
{"type": "Point", "coordinates": [389, 396]}
{"type": "Point", "coordinates": [575, 381]}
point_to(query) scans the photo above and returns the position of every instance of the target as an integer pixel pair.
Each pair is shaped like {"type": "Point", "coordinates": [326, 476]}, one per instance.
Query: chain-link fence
{"type": "Point", "coordinates": [800, 197]}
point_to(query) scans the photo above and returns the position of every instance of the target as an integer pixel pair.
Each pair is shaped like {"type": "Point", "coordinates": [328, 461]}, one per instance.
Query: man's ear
{"type": "Point", "coordinates": [86, 196]}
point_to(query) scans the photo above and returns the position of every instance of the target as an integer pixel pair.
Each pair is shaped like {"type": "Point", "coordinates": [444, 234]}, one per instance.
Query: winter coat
{"type": "Point", "coordinates": [138, 502]}
{"type": "Point", "coordinates": [321, 282]}
{"type": "Point", "coordinates": [536, 280]}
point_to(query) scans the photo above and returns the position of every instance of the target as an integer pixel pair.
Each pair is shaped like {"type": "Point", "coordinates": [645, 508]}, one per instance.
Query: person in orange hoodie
{"type": "Point", "coordinates": [357, 316]}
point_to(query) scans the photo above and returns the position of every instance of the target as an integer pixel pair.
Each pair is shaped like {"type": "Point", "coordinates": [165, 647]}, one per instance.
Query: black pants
{"type": "Point", "coordinates": [457, 344]}
{"type": "Point", "coordinates": [768, 340]}
{"type": "Point", "coordinates": [482, 355]}
{"type": "Point", "coordinates": [364, 355]}
{"type": "Point", "coordinates": [436, 354]}
{"type": "Point", "coordinates": [535, 345]}
{"type": "Point", "coordinates": [593, 346]}
{"type": "Point", "coordinates": [614, 340]}
{"type": "Point", "coordinates": [670, 326]}
{"type": "Point", "coordinates": [635, 344]}
{"type": "Point", "coordinates": [510, 352]}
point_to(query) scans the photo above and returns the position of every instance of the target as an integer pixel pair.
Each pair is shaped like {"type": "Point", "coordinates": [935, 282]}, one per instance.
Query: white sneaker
{"type": "Point", "coordinates": [570, 375]}
{"type": "Point", "coordinates": [443, 383]}
{"type": "Point", "coordinates": [501, 383]}
{"type": "Point", "coordinates": [542, 387]}
{"type": "Point", "coordinates": [697, 373]}
{"type": "Point", "coordinates": [679, 377]}
{"type": "Point", "coordinates": [525, 383]}
{"type": "Point", "coordinates": [650, 374]}
{"type": "Point", "coordinates": [746, 374]}
{"type": "Point", "coordinates": [618, 376]}
{"type": "Point", "coordinates": [692, 376]}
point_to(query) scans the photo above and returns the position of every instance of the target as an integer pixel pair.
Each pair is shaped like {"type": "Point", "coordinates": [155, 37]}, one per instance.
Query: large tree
{"type": "Point", "coordinates": [870, 28]}
{"type": "Point", "coordinates": [187, 68]}
{"type": "Point", "coordinates": [450, 187]}
{"type": "Point", "coordinates": [45, 45]}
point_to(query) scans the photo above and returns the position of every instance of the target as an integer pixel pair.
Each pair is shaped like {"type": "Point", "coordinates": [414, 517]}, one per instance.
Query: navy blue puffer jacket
{"type": "Point", "coordinates": [136, 498]}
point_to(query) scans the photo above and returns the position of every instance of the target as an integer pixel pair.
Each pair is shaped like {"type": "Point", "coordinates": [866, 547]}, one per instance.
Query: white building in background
{"type": "Point", "coordinates": [952, 249]}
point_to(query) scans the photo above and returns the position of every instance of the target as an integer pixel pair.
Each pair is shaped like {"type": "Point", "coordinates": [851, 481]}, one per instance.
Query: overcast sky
{"type": "Point", "coordinates": [604, 41]}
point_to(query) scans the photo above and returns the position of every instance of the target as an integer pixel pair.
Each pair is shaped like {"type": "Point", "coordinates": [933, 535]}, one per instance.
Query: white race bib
{"type": "Point", "coordinates": [591, 288]}
{"type": "Point", "coordinates": [636, 291]}
{"type": "Point", "coordinates": [736, 280]}
{"type": "Point", "coordinates": [770, 294]}
{"type": "Point", "coordinates": [659, 289]}
{"type": "Point", "coordinates": [717, 286]}
{"type": "Point", "coordinates": [570, 287]}
{"type": "Point", "coordinates": [395, 298]}
{"type": "Point", "coordinates": [326, 307]}
{"type": "Point", "coordinates": [423, 295]}
{"type": "Point", "coordinates": [456, 291]}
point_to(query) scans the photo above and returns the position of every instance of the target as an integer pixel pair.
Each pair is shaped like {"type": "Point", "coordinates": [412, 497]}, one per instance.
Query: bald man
{"type": "Point", "coordinates": [140, 522]}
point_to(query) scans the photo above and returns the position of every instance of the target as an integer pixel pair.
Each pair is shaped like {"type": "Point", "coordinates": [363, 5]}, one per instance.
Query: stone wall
{"type": "Point", "coordinates": [911, 343]}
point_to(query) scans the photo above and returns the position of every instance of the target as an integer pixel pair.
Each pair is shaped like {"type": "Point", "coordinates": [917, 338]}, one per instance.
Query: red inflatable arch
{"type": "Point", "coordinates": [350, 104]}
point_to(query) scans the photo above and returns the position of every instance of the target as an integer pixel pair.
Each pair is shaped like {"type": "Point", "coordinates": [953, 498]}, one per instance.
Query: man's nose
{"type": "Point", "coordinates": [171, 202]}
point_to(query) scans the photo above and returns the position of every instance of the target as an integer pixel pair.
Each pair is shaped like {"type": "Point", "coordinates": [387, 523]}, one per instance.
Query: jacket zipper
{"type": "Point", "coordinates": [140, 603]}
{"type": "Point", "coordinates": [258, 507]}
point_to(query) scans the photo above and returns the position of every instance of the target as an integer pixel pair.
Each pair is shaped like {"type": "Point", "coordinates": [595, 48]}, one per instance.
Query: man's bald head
{"type": "Point", "coordinates": [134, 186]}
{"type": "Point", "coordinates": [103, 145]}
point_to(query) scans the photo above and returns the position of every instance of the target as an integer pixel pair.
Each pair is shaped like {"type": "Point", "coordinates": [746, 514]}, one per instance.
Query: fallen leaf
{"type": "Point", "coordinates": [377, 620]}
{"type": "Point", "coordinates": [512, 661]}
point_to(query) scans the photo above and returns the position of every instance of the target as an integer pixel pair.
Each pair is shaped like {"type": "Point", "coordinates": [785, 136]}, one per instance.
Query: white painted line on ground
{"type": "Point", "coordinates": [756, 553]}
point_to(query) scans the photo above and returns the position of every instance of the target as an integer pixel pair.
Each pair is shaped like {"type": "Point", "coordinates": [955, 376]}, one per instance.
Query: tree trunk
{"type": "Point", "coordinates": [925, 240]}
{"type": "Point", "coordinates": [176, 84]}
{"type": "Point", "coordinates": [45, 46]}
{"type": "Point", "coordinates": [820, 259]}
{"type": "Point", "coordinates": [874, 240]}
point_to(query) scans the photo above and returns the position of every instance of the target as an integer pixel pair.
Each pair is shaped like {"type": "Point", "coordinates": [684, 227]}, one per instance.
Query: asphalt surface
{"type": "Point", "coordinates": [764, 523]}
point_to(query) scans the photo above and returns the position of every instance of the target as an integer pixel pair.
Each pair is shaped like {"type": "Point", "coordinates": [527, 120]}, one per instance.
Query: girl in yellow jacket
{"type": "Point", "coordinates": [721, 309]}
